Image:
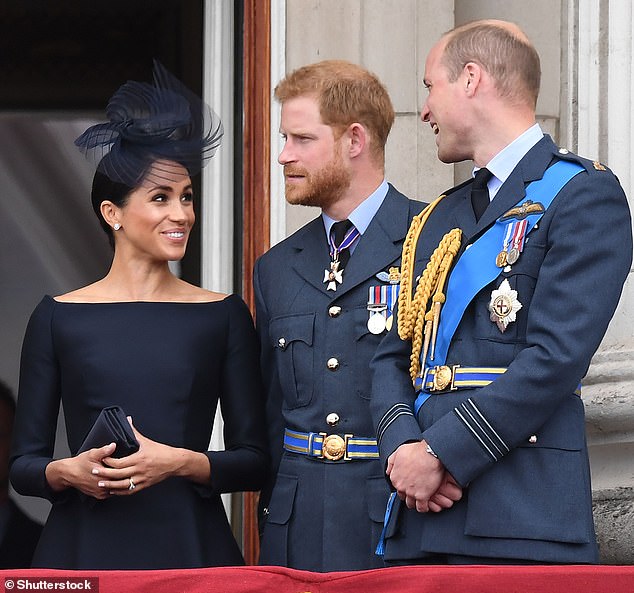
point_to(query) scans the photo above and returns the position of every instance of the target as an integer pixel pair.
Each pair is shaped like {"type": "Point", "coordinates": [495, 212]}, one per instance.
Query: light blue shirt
{"type": "Point", "coordinates": [503, 163]}
{"type": "Point", "coordinates": [362, 215]}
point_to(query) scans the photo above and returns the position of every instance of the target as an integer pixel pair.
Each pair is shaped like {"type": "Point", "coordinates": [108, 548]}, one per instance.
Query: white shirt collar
{"type": "Point", "coordinates": [362, 215]}
{"type": "Point", "coordinates": [503, 163]}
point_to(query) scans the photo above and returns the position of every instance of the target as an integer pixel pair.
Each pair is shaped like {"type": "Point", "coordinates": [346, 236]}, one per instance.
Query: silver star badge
{"type": "Point", "coordinates": [504, 305]}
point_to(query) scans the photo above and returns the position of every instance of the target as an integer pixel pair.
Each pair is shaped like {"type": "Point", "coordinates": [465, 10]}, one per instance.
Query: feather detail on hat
{"type": "Point", "coordinates": [151, 124]}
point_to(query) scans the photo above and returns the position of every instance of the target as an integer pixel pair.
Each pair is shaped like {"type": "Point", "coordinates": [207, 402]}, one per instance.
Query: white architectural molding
{"type": "Point", "coordinates": [278, 71]}
{"type": "Point", "coordinates": [620, 91]}
{"type": "Point", "coordinates": [588, 88]}
{"type": "Point", "coordinates": [605, 84]}
{"type": "Point", "coordinates": [568, 109]}
{"type": "Point", "coordinates": [598, 115]}
{"type": "Point", "coordinates": [217, 177]}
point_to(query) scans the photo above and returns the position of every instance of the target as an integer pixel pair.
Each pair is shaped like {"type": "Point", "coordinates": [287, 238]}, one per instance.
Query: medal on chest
{"type": "Point", "coordinates": [377, 321]}
{"type": "Point", "coordinates": [513, 244]}
{"type": "Point", "coordinates": [504, 305]}
{"type": "Point", "coordinates": [333, 276]}
{"type": "Point", "coordinates": [381, 301]}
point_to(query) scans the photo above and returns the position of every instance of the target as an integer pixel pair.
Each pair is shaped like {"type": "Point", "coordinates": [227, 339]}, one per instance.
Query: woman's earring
{"type": "Point", "coordinates": [116, 226]}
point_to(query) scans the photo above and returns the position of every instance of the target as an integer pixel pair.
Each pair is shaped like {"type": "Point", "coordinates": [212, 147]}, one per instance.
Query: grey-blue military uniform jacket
{"type": "Point", "coordinates": [517, 446]}
{"type": "Point", "coordinates": [316, 349]}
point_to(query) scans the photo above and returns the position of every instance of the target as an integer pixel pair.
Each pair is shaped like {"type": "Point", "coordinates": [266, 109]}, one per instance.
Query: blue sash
{"type": "Point", "coordinates": [476, 268]}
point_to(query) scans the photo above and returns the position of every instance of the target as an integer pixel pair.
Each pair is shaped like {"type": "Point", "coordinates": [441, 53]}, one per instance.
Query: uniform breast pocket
{"type": "Point", "coordinates": [525, 272]}
{"type": "Point", "coordinates": [292, 338]}
{"type": "Point", "coordinates": [521, 279]}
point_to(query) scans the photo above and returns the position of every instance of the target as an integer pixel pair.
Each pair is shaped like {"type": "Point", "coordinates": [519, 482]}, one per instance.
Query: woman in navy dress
{"type": "Point", "coordinates": [164, 350]}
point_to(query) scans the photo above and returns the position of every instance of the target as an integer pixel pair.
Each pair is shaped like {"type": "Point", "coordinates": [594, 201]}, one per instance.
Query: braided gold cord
{"type": "Point", "coordinates": [415, 322]}
{"type": "Point", "coordinates": [436, 272]}
{"type": "Point", "coordinates": [407, 266]}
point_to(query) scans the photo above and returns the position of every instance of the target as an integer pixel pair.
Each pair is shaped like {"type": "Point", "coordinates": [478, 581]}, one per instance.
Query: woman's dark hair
{"type": "Point", "coordinates": [104, 188]}
{"type": "Point", "coordinates": [106, 185]}
{"type": "Point", "coordinates": [149, 127]}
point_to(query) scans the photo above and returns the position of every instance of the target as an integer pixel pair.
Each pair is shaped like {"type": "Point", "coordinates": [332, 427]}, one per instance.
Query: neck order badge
{"type": "Point", "coordinates": [342, 235]}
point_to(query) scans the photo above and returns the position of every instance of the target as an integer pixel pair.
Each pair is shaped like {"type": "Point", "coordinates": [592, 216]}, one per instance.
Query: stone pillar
{"type": "Point", "coordinates": [599, 125]}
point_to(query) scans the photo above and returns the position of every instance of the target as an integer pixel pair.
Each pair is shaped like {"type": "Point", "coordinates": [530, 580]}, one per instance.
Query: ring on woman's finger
{"type": "Point", "coordinates": [132, 485]}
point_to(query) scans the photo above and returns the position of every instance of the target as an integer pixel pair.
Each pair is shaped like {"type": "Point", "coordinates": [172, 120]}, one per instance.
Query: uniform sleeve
{"type": "Point", "coordinates": [273, 391]}
{"type": "Point", "coordinates": [587, 256]}
{"type": "Point", "coordinates": [242, 465]}
{"type": "Point", "coordinates": [393, 394]}
{"type": "Point", "coordinates": [38, 406]}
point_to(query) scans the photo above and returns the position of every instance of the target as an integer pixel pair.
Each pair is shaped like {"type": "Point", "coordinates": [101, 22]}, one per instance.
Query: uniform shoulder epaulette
{"type": "Point", "coordinates": [589, 165]}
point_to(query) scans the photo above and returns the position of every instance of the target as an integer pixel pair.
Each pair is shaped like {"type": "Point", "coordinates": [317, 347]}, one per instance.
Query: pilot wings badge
{"type": "Point", "coordinates": [523, 210]}
{"type": "Point", "coordinates": [504, 305]}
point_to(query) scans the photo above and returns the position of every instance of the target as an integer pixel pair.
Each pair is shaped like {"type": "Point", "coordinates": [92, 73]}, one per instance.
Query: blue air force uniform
{"type": "Point", "coordinates": [516, 445]}
{"type": "Point", "coordinates": [327, 505]}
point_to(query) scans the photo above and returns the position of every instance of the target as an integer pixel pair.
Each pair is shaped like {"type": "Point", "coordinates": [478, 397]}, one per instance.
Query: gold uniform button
{"type": "Point", "coordinates": [281, 343]}
{"type": "Point", "coordinates": [332, 364]}
{"type": "Point", "coordinates": [334, 311]}
{"type": "Point", "coordinates": [532, 439]}
{"type": "Point", "coordinates": [332, 419]}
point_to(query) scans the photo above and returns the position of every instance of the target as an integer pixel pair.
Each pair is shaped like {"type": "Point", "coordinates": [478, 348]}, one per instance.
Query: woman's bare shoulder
{"type": "Point", "coordinates": [92, 293]}
{"type": "Point", "coordinates": [196, 294]}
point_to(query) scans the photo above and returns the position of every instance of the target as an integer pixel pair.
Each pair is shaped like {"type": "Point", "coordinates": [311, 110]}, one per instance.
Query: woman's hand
{"type": "Point", "coordinates": [151, 464]}
{"type": "Point", "coordinates": [80, 472]}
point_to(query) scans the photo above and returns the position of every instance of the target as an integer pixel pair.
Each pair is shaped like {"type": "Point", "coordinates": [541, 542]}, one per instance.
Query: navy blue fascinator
{"type": "Point", "coordinates": [151, 124]}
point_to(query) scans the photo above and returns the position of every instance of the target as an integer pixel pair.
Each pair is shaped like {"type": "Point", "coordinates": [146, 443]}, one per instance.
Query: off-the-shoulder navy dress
{"type": "Point", "coordinates": [168, 365]}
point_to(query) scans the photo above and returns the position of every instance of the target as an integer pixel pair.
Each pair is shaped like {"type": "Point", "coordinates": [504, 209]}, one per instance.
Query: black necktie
{"type": "Point", "coordinates": [338, 231]}
{"type": "Point", "coordinates": [480, 192]}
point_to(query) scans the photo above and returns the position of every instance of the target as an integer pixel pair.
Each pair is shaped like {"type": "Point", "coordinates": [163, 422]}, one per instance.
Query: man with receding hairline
{"type": "Point", "coordinates": [519, 279]}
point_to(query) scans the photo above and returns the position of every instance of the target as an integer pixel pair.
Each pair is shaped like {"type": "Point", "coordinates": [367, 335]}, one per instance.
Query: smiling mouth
{"type": "Point", "coordinates": [175, 234]}
{"type": "Point", "coordinates": [434, 128]}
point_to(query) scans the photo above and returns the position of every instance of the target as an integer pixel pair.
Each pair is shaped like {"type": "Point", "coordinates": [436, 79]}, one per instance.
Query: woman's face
{"type": "Point", "coordinates": [158, 215]}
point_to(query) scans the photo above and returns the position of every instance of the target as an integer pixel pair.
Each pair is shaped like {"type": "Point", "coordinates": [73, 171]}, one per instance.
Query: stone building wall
{"type": "Point", "coordinates": [585, 104]}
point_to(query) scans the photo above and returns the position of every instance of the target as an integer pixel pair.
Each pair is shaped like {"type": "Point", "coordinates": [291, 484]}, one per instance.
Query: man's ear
{"type": "Point", "coordinates": [357, 139]}
{"type": "Point", "coordinates": [472, 73]}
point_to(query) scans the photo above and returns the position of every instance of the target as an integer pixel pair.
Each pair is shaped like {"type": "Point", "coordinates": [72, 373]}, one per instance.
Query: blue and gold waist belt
{"type": "Point", "coordinates": [333, 447]}
{"type": "Point", "coordinates": [451, 378]}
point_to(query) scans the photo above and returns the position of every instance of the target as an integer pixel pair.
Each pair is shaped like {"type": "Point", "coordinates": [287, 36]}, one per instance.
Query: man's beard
{"type": "Point", "coordinates": [322, 188]}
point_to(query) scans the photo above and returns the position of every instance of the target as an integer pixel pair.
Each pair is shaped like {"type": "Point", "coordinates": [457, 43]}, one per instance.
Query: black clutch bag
{"type": "Point", "coordinates": [111, 426]}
